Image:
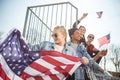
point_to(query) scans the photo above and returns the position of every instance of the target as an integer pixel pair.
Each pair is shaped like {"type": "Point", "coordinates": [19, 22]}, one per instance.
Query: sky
{"type": "Point", "coordinates": [13, 12]}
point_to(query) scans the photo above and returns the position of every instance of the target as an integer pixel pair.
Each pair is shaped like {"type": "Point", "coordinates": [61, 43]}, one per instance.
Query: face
{"type": "Point", "coordinates": [82, 30]}
{"type": "Point", "coordinates": [90, 37]}
{"type": "Point", "coordinates": [58, 36]}
{"type": "Point", "coordinates": [76, 35]}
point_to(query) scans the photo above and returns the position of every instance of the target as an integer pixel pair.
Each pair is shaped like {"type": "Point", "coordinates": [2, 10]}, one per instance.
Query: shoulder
{"type": "Point", "coordinates": [45, 43]}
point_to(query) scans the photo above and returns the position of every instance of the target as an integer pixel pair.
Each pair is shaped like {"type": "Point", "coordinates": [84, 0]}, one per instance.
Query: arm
{"type": "Point", "coordinates": [38, 47]}
{"type": "Point", "coordinates": [80, 19]}
{"type": "Point", "coordinates": [100, 54]}
{"type": "Point", "coordinates": [92, 63]}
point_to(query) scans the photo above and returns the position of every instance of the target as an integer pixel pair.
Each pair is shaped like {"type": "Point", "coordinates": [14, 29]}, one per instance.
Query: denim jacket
{"type": "Point", "coordinates": [46, 45]}
{"type": "Point", "coordinates": [80, 52]}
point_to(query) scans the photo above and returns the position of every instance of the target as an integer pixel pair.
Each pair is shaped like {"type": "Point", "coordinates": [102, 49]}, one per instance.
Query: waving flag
{"type": "Point", "coordinates": [99, 14]}
{"type": "Point", "coordinates": [104, 40]}
{"type": "Point", "coordinates": [17, 62]}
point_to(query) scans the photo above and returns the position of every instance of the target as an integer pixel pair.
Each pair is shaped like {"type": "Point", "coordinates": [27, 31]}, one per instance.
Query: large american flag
{"type": "Point", "coordinates": [18, 62]}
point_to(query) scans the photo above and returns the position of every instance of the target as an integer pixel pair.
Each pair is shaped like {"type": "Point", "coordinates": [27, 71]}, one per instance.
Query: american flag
{"type": "Point", "coordinates": [104, 40]}
{"type": "Point", "coordinates": [99, 14]}
{"type": "Point", "coordinates": [18, 62]}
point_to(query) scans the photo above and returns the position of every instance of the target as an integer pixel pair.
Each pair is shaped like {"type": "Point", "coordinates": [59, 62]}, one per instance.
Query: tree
{"type": "Point", "coordinates": [115, 52]}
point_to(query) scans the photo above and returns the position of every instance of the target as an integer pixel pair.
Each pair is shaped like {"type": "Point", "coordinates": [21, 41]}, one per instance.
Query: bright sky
{"type": "Point", "coordinates": [12, 14]}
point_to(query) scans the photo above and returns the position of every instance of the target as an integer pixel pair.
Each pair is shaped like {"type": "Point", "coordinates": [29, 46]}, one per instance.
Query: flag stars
{"type": "Point", "coordinates": [9, 48]}
{"type": "Point", "coordinates": [36, 54]}
{"type": "Point", "coordinates": [15, 49]}
{"type": "Point", "coordinates": [18, 49]}
{"type": "Point", "coordinates": [10, 64]}
{"type": "Point", "coordinates": [9, 38]}
{"type": "Point", "coordinates": [18, 72]}
{"type": "Point", "coordinates": [16, 57]}
{"type": "Point", "coordinates": [9, 43]}
{"type": "Point", "coordinates": [29, 49]}
{"type": "Point", "coordinates": [13, 68]}
{"type": "Point", "coordinates": [24, 46]}
{"type": "Point", "coordinates": [33, 58]}
{"type": "Point", "coordinates": [13, 42]}
{"type": "Point", "coordinates": [16, 64]}
{"type": "Point", "coordinates": [19, 67]}
{"type": "Point", "coordinates": [24, 61]}
{"type": "Point", "coordinates": [30, 60]}
{"type": "Point", "coordinates": [19, 61]}
{"type": "Point", "coordinates": [3, 45]}
{"type": "Point", "coordinates": [9, 54]}
{"type": "Point", "coordinates": [20, 56]}
{"type": "Point", "coordinates": [4, 48]}
{"type": "Point", "coordinates": [15, 54]}
{"type": "Point", "coordinates": [13, 60]}
{"type": "Point", "coordinates": [4, 54]}
{"type": "Point", "coordinates": [26, 54]}
{"type": "Point", "coordinates": [8, 60]}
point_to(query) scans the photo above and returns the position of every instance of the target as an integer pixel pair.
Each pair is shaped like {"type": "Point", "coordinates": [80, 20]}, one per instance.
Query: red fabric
{"type": "Point", "coordinates": [90, 50]}
{"type": "Point", "coordinates": [3, 75]}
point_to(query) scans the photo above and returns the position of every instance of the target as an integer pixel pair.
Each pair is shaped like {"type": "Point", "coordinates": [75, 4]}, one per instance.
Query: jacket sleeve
{"type": "Point", "coordinates": [76, 23]}
{"type": "Point", "coordinates": [37, 47]}
{"type": "Point", "coordinates": [92, 63]}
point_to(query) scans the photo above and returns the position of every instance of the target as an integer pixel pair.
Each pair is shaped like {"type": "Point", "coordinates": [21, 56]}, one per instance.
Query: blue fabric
{"type": "Point", "coordinates": [80, 52]}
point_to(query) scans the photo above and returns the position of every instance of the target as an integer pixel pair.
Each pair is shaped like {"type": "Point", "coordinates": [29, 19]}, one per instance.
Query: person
{"type": "Point", "coordinates": [94, 52]}
{"type": "Point", "coordinates": [59, 35]}
{"type": "Point", "coordinates": [75, 36]}
{"type": "Point", "coordinates": [82, 29]}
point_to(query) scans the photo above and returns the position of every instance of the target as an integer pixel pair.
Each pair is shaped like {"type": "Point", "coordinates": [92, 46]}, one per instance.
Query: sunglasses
{"type": "Point", "coordinates": [91, 37]}
{"type": "Point", "coordinates": [54, 35]}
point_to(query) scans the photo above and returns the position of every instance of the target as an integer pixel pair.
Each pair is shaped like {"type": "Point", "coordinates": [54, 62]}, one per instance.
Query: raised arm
{"type": "Point", "coordinates": [80, 19]}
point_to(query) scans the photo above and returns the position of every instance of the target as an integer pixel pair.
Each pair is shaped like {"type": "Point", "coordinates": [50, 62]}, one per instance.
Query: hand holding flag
{"type": "Point", "coordinates": [17, 62]}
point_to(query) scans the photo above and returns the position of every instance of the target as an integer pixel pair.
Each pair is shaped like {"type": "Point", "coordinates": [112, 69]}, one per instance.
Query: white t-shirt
{"type": "Point", "coordinates": [59, 48]}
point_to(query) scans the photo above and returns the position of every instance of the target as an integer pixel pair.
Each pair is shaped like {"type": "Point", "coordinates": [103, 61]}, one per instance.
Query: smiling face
{"type": "Point", "coordinates": [76, 35]}
{"type": "Point", "coordinates": [59, 35]}
{"type": "Point", "coordinates": [82, 30]}
{"type": "Point", "coordinates": [90, 37]}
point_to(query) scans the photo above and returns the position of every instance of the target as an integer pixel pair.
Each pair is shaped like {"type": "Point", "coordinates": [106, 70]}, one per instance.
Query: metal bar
{"type": "Point", "coordinates": [61, 14]}
{"type": "Point", "coordinates": [51, 21]}
{"type": "Point", "coordinates": [41, 20]}
{"type": "Point", "coordinates": [25, 23]}
{"type": "Point", "coordinates": [66, 15]}
{"type": "Point", "coordinates": [46, 22]}
{"type": "Point", "coordinates": [51, 4]}
{"type": "Point", "coordinates": [28, 26]}
{"type": "Point", "coordinates": [56, 15]}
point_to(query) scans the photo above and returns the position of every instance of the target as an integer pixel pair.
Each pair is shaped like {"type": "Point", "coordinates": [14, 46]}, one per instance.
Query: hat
{"type": "Point", "coordinates": [72, 30]}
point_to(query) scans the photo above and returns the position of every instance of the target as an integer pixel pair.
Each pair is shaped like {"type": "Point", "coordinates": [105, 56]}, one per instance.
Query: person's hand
{"type": "Point", "coordinates": [101, 70]}
{"type": "Point", "coordinates": [85, 15]}
{"type": "Point", "coordinates": [84, 60]}
{"type": "Point", "coordinates": [102, 53]}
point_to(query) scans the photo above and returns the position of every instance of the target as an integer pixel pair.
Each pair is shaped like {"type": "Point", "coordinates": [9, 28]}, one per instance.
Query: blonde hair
{"type": "Point", "coordinates": [62, 30]}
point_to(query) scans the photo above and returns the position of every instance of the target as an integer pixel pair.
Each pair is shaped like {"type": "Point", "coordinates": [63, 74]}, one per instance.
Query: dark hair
{"type": "Point", "coordinates": [71, 31]}
{"type": "Point", "coordinates": [82, 27]}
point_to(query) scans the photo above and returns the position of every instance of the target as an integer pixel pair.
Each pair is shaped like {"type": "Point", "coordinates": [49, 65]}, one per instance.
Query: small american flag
{"type": "Point", "coordinates": [99, 14]}
{"type": "Point", "coordinates": [18, 62]}
{"type": "Point", "coordinates": [104, 40]}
